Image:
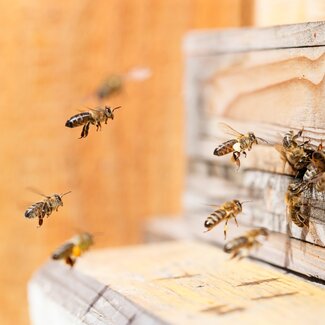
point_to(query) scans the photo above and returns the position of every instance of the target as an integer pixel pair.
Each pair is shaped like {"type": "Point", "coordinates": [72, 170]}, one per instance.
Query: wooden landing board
{"type": "Point", "coordinates": [180, 283]}
{"type": "Point", "coordinates": [279, 249]}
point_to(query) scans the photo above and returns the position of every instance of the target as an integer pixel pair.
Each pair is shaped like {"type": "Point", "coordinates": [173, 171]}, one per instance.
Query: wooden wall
{"type": "Point", "coordinates": [53, 55]}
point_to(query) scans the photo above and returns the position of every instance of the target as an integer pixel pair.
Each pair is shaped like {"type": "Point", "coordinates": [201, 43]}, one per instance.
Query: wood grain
{"type": "Point", "coordinates": [185, 282]}
{"type": "Point", "coordinates": [288, 253]}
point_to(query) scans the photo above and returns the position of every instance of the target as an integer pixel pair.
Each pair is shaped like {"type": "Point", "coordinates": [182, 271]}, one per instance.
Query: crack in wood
{"type": "Point", "coordinates": [257, 282]}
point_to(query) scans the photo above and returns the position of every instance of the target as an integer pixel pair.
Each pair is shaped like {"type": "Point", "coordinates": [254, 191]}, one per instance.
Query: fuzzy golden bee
{"type": "Point", "coordinates": [297, 210]}
{"type": "Point", "coordinates": [94, 116]}
{"type": "Point", "coordinates": [237, 246]}
{"type": "Point", "coordinates": [293, 153]}
{"type": "Point", "coordinates": [237, 146]}
{"type": "Point", "coordinates": [224, 212]}
{"type": "Point", "coordinates": [73, 248]}
{"type": "Point", "coordinates": [46, 207]}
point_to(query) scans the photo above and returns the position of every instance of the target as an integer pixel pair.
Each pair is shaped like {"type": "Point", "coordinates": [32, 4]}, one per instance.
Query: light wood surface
{"type": "Point", "coordinates": [176, 283]}
{"type": "Point", "coordinates": [267, 81]}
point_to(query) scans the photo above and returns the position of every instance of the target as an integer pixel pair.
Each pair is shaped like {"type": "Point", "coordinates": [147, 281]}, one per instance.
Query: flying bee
{"type": "Point", "coordinates": [241, 144]}
{"type": "Point", "coordinates": [109, 86]}
{"type": "Point", "coordinates": [94, 116]}
{"type": "Point", "coordinates": [45, 208]}
{"type": "Point", "coordinates": [224, 212]}
{"type": "Point", "coordinates": [237, 246]}
{"type": "Point", "coordinates": [293, 153]}
{"type": "Point", "coordinates": [296, 209]}
{"type": "Point", "coordinates": [73, 248]}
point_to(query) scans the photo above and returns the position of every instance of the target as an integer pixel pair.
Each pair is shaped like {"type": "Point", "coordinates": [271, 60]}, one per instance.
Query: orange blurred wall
{"type": "Point", "coordinates": [53, 55]}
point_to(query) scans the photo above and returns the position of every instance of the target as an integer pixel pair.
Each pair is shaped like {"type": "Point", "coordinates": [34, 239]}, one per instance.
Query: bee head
{"type": "Point", "coordinates": [58, 199]}
{"type": "Point", "coordinates": [238, 205]}
{"type": "Point", "coordinates": [264, 232]}
{"type": "Point", "coordinates": [252, 137]}
{"type": "Point", "coordinates": [109, 112]}
{"type": "Point", "coordinates": [318, 155]}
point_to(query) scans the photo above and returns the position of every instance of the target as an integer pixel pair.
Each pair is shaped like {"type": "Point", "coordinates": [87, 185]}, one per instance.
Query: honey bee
{"type": "Point", "coordinates": [320, 183]}
{"type": "Point", "coordinates": [225, 212]}
{"type": "Point", "coordinates": [94, 116]}
{"type": "Point", "coordinates": [293, 153]}
{"type": "Point", "coordinates": [111, 85]}
{"type": "Point", "coordinates": [45, 208]}
{"type": "Point", "coordinates": [73, 248]}
{"type": "Point", "coordinates": [236, 246]}
{"type": "Point", "coordinates": [296, 209]}
{"type": "Point", "coordinates": [241, 144]}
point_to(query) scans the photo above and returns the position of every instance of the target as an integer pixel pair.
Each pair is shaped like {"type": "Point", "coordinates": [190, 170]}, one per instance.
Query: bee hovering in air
{"type": "Point", "coordinates": [297, 210]}
{"type": "Point", "coordinates": [73, 248]}
{"type": "Point", "coordinates": [46, 207]}
{"type": "Point", "coordinates": [241, 144]}
{"type": "Point", "coordinates": [224, 212]}
{"type": "Point", "coordinates": [95, 116]}
{"type": "Point", "coordinates": [237, 246]}
{"type": "Point", "coordinates": [297, 155]}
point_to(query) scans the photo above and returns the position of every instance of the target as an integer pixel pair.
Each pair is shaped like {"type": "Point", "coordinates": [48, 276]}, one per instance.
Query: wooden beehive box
{"type": "Point", "coordinates": [267, 81]}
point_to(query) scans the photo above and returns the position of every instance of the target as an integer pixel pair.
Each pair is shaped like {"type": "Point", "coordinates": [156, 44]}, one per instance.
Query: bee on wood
{"type": "Point", "coordinates": [73, 248]}
{"type": "Point", "coordinates": [94, 116]}
{"type": "Point", "coordinates": [225, 212]}
{"type": "Point", "coordinates": [46, 207]}
{"type": "Point", "coordinates": [241, 144]}
{"type": "Point", "coordinates": [293, 153]}
{"type": "Point", "coordinates": [238, 245]}
{"type": "Point", "coordinates": [297, 211]}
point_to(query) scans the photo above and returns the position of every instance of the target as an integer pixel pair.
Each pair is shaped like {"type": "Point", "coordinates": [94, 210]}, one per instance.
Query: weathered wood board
{"type": "Point", "coordinates": [267, 81]}
{"type": "Point", "coordinates": [171, 283]}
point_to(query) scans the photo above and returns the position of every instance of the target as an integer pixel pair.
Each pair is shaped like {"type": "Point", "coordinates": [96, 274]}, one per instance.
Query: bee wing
{"type": "Point", "coordinates": [63, 251]}
{"type": "Point", "coordinates": [36, 191]}
{"type": "Point", "coordinates": [229, 130]}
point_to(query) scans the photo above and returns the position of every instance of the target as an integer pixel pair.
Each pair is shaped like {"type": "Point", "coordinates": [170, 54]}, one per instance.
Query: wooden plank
{"type": "Point", "coordinates": [209, 42]}
{"type": "Point", "coordinates": [188, 282]}
{"type": "Point", "coordinates": [289, 253]}
{"type": "Point", "coordinates": [267, 209]}
{"type": "Point", "coordinates": [58, 295]}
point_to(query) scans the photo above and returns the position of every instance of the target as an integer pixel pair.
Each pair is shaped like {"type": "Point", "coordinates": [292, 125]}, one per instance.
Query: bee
{"type": "Point", "coordinates": [295, 207]}
{"type": "Point", "coordinates": [111, 85]}
{"type": "Point", "coordinates": [73, 248]}
{"type": "Point", "coordinates": [94, 116]}
{"type": "Point", "coordinates": [241, 144]}
{"type": "Point", "coordinates": [320, 184]}
{"type": "Point", "coordinates": [46, 207]}
{"type": "Point", "coordinates": [246, 242]}
{"type": "Point", "coordinates": [296, 155]}
{"type": "Point", "coordinates": [225, 212]}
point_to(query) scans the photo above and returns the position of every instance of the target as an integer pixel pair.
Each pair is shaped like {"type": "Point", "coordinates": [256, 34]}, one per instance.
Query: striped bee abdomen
{"type": "Point", "coordinates": [236, 243]}
{"type": "Point", "coordinates": [78, 120]}
{"type": "Point", "coordinates": [37, 210]}
{"type": "Point", "coordinates": [225, 148]}
{"type": "Point", "coordinates": [215, 218]}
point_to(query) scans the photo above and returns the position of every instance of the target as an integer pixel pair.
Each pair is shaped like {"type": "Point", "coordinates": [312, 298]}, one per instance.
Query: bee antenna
{"type": "Point", "coordinates": [116, 108]}
{"type": "Point", "coordinates": [61, 195]}
{"type": "Point", "coordinates": [245, 202]}
{"type": "Point", "coordinates": [262, 139]}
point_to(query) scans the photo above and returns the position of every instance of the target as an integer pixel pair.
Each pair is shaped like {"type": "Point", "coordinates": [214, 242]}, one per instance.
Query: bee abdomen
{"type": "Point", "coordinates": [79, 119]}
{"type": "Point", "coordinates": [63, 251]}
{"type": "Point", "coordinates": [215, 218]}
{"type": "Point", "coordinates": [235, 244]}
{"type": "Point", "coordinates": [225, 148]}
{"type": "Point", "coordinates": [35, 211]}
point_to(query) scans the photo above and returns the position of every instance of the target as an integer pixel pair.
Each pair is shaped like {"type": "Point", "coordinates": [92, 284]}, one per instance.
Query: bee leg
{"type": "Point", "coordinates": [245, 154]}
{"type": "Point", "coordinates": [235, 158]}
{"type": "Point", "coordinates": [99, 126]}
{"type": "Point", "coordinates": [234, 254]}
{"type": "Point", "coordinates": [40, 221]}
{"type": "Point", "coordinates": [236, 221]}
{"type": "Point", "coordinates": [85, 130]}
{"type": "Point", "coordinates": [70, 261]}
{"type": "Point", "coordinates": [225, 228]}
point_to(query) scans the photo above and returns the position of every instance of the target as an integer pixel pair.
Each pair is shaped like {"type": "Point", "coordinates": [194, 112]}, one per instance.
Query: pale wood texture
{"type": "Point", "coordinates": [279, 249]}
{"type": "Point", "coordinates": [176, 283]}
{"type": "Point", "coordinates": [266, 81]}
{"type": "Point", "coordinates": [53, 56]}
{"type": "Point", "coordinates": [276, 12]}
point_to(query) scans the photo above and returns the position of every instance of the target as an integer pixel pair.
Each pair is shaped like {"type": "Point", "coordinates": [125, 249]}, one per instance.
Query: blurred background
{"type": "Point", "coordinates": [54, 56]}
